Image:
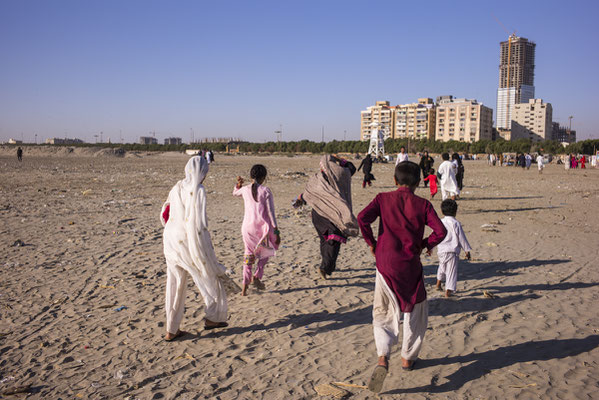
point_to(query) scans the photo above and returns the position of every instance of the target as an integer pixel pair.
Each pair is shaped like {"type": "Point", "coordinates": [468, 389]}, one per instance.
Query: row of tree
{"type": "Point", "coordinates": [356, 146]}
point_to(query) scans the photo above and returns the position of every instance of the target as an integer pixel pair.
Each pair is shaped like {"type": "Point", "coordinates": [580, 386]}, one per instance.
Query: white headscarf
{"type": "Point", "coordinates": [187, 241]}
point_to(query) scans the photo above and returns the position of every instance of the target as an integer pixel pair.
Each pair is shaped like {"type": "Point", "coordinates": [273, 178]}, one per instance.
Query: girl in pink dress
{"type": "Point", "coordinates": [261, 236]}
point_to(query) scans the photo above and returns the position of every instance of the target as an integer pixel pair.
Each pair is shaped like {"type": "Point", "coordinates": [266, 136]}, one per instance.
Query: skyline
{"type": "Point", "coordinates": [242, 70]}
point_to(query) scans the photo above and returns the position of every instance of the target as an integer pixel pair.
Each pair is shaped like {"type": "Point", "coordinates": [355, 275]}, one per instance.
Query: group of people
{"type": "Point", "coordinates": [572, 162]}
{"type": "Point", "coordinates": [399, 283]}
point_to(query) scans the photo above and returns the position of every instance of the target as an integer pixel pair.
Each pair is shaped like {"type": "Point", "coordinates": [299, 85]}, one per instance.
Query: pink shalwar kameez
{"type": "Point", "coordinates": [259, 223]}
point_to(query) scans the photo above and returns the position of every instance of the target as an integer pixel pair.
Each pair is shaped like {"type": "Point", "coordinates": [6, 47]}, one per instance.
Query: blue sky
{"type": "Point", "coordinates": [241, 68]}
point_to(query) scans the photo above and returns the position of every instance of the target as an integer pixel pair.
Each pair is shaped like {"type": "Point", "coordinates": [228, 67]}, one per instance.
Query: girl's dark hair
{"type": "Point", "coordinates": [449, 207]}
{"type": "Point", "coordinates": [257, 173]}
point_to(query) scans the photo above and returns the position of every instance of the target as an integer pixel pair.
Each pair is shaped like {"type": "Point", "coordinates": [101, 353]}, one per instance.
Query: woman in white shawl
{"type": "Point", "coordinates": [188, 250]}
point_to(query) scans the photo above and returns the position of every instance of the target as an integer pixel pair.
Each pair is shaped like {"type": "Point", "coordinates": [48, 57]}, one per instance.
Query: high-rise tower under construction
{"type": "Point", "coordinates": [516, 77]}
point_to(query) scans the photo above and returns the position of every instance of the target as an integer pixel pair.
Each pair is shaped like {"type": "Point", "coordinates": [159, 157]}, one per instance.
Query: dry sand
{"type": "Point", "coordinates": [93, 243]}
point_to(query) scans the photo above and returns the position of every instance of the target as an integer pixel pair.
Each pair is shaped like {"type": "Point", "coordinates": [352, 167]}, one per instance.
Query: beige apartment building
{"type": "Point", "coordinates": [462, 120]}
{"type": "Point", "coordinates": [532, 120]}
{"type": "Point", "coordinates": [416, 120]}
{"type": "Point", "coordinates": [380, 116]}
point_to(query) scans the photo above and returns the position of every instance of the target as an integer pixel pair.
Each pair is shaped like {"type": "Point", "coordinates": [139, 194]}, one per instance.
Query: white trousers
{"type": "Point", "coordinates": [448, 270]}
{"type": "Point", "coordinates": [176, 289]}
{"type": "Point", "coordinates": [446, 194]}
{"type": "Point", "coordinates": [386, 316]}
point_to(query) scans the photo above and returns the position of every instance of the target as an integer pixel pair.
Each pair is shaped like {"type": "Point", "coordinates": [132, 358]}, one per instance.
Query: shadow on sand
{"type": "Point", "coordinates": [480, 364]}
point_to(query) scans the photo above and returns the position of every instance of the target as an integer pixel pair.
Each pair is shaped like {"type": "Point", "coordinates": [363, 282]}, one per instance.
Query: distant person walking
{"type": "Point", "coordinates": [402, 156]}
{"type": "Point", "coordinates": [432, 179]}
{"type": "Point", "coordinates": [367, 164]}
{"type": "Point", "coordinates": [20, 154]}
{"type": "Point", "coordinates": [528, 160]}
{"type": "Point", "coordinates": [426, 163]}
{"type": "Point", "coordinates": [449, 186]}
{"type": "Point", "coordinates": [459, 171]}
{"type": "Point", "coordinates": [582, 162]}
{"type": "Point", "coordinates": [540, 163]}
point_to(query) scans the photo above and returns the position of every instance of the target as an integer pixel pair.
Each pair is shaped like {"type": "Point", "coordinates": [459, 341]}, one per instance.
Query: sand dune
{"type": "Point", "coordinates": [82, 293]}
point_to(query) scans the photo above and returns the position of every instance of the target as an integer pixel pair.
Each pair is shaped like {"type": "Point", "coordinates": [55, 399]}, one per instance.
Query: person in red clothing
{"type": "Point", "coordinates": [399, 286]}
{"type": "Point", "coordinates": [582, 162]}
{"type": "Point", "coordinates": [432, 181]}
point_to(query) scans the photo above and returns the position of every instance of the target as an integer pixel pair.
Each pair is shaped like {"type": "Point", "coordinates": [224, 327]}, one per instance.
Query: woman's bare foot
{"type": "Point", "coordinates": [244, 290]}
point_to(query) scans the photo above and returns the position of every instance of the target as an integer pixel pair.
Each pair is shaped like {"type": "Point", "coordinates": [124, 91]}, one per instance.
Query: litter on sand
{"type": "Point", "coordinates": [330, 390]}
{"type": "Point", "coordinates": [186, 356]}
{"type": "Point", "coordinates": [488, 295]}
{"type": "Point", "coordinates": [86, 192]}
{"type": "Point", "coordinates": [491, 244]}
{"type": "Point", "coordinates": [121, 308]}
{"type": "Point", "coordinates": [353, 385]}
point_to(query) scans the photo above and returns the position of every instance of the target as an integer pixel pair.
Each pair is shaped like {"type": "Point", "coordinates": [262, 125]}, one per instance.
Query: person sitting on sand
{"type": "Point", "coordinates": [448, 250]}
{"type": "Point", "coordinates": [328, 192]}
{"type": "Point", "coordinates": [399, 283]}
{"type": "Point", "coordinates": [261, 236]}
{"type": "Point", "coordinates": [188, 251]}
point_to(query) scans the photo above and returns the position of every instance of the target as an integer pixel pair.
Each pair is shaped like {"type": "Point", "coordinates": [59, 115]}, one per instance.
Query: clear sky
{"type": "Point", "coordinates": [242, 68]}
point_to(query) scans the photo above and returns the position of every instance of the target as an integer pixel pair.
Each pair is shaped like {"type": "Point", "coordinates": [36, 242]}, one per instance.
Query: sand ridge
{"type": "Point", "coordinates": [82, 301]}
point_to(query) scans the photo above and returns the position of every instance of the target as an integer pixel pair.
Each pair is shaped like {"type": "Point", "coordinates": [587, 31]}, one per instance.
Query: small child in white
{"type": "Point", "coordinates": [448, 250]}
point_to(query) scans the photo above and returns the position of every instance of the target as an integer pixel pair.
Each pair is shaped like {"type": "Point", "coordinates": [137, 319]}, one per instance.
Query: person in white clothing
{"type": "Point", "coordinates": [540, 163]}
{"type": "Point", "coordinates": [402, 156]}
{"type": "Point", "coordinates": [449, 185]}
{"type": "Point", "coordinates": [448, 250]}
{"type": "Point", "coordinates": [189, 252]}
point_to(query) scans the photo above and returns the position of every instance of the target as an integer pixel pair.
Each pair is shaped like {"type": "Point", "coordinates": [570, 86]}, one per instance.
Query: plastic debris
{"type": "Point", "coordinates": [86, 192]}
{"type": "Point", "coordinates": [121, 308]}
{"type": "Point", "coordinates": [18, 243]}
{"type": "Point", "coordinates": [488, 295]}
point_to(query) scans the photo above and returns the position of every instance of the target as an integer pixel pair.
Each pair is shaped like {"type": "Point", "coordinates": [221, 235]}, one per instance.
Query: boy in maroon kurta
{"type": "Point", "coordinates": [399, 286]}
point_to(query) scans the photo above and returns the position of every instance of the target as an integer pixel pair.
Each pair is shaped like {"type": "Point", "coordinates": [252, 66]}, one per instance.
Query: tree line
{"type": "Point", "coordinates": [356, 146]}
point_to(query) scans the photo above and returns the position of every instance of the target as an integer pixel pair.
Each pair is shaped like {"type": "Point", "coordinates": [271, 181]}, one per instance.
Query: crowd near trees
{"type": "Point", "coordinates": [356, 146]}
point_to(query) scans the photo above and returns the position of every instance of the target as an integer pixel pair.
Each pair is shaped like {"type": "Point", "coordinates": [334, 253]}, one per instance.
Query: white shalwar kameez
{"type": "Point", "coordinates": [188, 248]}
{"type": "Point", "coordinates": [448, 252]}
{"type": "Point", "coordinates": [401, 157]}
{"type": "Point", "coordinates": [386, 316]}
{"type": "Point", "coordinates": [449, 185]}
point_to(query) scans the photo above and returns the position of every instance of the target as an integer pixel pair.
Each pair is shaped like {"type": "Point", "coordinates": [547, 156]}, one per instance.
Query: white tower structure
{"type": "Point", "coordinates": [377, 141]}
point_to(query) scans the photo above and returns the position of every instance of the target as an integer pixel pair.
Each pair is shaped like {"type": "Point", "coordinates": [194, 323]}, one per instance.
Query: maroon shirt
{"type": "Point", "coordinates": [401, 240]}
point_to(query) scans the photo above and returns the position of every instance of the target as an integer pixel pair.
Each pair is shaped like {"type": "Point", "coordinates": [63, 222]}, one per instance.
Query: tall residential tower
{"type": "Point", "coordinates": [516, 77]}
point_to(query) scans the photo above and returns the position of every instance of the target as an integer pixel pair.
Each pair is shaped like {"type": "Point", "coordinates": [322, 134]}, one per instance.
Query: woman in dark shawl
{"type": "Point", "coordinates": [459, 175]}
{"type": "Point", "coordinates": [329, 194]}
{"type": "Point", "coordinates": [426, 163]}
{"type": "Point", "coordinates": [367, 164]}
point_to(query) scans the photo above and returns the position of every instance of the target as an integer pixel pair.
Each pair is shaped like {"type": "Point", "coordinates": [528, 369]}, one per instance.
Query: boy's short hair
{"type": "Point", "coordinates": [445, 156]}
{"type": "Point", "coordinates": [407, 173]}
{"type": "Point", "coordinates": [449, 207]}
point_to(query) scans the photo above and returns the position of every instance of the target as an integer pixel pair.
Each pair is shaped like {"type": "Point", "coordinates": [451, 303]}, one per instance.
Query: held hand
{"type": "Point", "coordinates": [429, 252]}
{"type": "Point", "coordinates": [468, 256]}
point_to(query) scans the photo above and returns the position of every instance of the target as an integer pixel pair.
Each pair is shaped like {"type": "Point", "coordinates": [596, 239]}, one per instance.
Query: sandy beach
{"type": "Point", "coordinates": [83, 281]}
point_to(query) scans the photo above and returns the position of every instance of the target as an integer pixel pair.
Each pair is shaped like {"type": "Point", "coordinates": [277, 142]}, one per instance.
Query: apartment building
{"type": "Point", "coordinates": [516, 77]}
{"type": "Point", "coordinates": [532, 120]}
{"type": "Point", "coordinates": [416, 120]}
{"type": "Point", "coordinates": [173, 140]}
{"type": "Point", "coordinates": [147, 140]}
{"type": "Point", "coordinates": [380, 117]}
{"type": "Point", "coordinates": [462, 120]}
